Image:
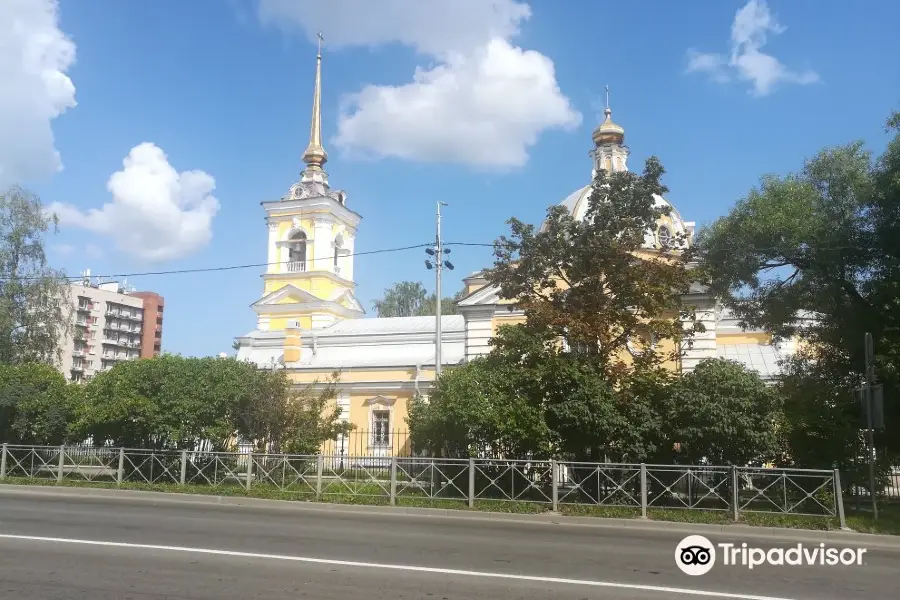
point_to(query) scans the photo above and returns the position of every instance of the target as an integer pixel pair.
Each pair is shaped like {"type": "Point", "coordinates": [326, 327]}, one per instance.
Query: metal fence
{"type": "Point", "coordinates": [572, 487]}
{"type": "Point", "coordinates": [358, 443]}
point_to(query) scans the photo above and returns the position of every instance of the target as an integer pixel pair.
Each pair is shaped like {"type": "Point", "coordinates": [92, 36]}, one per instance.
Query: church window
{"type": "Point", "coordinates": [297, 253]}
{"type": "Point", "coordinates": [665, 236]}
{"type": "Point", "coordinates": [381, 427]}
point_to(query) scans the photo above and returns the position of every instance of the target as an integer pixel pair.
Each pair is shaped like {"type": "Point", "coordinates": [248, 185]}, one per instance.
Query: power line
{"type": "Point", "coordinates": [365, 253]}
{"type": "Point", "coordinates": [222, 268]}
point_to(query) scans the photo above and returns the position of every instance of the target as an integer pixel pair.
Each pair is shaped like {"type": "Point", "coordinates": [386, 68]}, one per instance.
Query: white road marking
{"type": "Point", "coordinates": [368, 565]}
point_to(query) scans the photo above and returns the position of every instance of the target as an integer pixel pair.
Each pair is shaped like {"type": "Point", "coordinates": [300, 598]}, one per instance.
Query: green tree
{"type": "Point", "coordinates": [174, 402]}
{"type": "Point", "coordinates": [410, 299]}
{"type": "Point", "coordinates": [35, 306]}
{"type": "Point", "coordinates": [586, 280]}
{"type": "Point", "coordinates": [816, 254]}
{"type": "Point", "coordinates": [720, 413]}
{"type": "Point", "coordinates": [166, 402]}
{"type": "Point", "coordinates": [36, 405]}
{"type": "Point", "coordinates": [404, 299]}
{"type": "Point", "coordinates": [279, 418]}
{"type": "Point", "coordinates": [486, 405]}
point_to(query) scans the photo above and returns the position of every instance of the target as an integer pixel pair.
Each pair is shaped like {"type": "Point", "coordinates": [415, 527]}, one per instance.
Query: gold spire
{"type": "Point", "coordinates": [315, 155]}
{"type": "Point", "coordinates": [608, 132]}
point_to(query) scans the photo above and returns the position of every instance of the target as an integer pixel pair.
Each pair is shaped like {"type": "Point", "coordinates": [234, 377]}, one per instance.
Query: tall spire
{"type": "Point", "coordinates": [608, 132]}
{"type": "Point", "coordinates": [315, 155]}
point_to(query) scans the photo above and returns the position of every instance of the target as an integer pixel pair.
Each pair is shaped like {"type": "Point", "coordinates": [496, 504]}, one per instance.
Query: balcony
{"type": "Point", "coordinates": [79, 353]}
{"type": "Point", "coordinates": [296, 266]}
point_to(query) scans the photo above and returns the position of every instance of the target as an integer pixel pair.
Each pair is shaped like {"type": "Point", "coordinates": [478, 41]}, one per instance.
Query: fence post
{"type": "Point", "coordinates": [839, 499]}
{"type": "Point", "coordinates": [120, 473]}
{"type": "Point", "coordinates": [320, 464]}
{"type": "Point", "coordinates": [62, 464]}
{"type": "Point", "coordinates": [183, 478]}
{"type": "Point", "coordinates": [554, 478]}
{"type": "Point", "coordinates": [393, 480]}
{"type": "Point", "coordinates": [471, 482]}
{"type": "Point", "coordinates": [735, 495]}
{"type": "Point", "coordinates": [249, 470]}
{"type": "Point", "coordinates": [3, 452]}
{"type": "Point", "coordinates": [643, 491]}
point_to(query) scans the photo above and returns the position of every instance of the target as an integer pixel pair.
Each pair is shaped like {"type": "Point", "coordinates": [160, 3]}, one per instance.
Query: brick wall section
{"type": "Point", "coordinates": [151, 337]}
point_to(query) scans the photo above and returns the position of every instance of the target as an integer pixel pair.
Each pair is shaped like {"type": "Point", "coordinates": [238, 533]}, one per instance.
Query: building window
{"type": "Point", "coordinates": [297, 253]}
{"type": "Point", "coordinates": [665, 236]}
{"type": "Point", "coordinates": [381, 421]}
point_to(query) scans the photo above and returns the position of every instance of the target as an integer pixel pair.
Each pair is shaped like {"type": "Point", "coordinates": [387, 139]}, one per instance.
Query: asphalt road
{"type": "Point", "coordinates": [209, 551]}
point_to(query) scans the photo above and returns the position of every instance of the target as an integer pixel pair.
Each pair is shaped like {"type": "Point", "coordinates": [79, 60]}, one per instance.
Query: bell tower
{"type": "Point", "coordinates": [308, 283]}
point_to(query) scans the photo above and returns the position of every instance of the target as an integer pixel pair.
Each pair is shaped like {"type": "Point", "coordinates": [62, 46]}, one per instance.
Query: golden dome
{"type": "Point", "coordinates": [608, 132]}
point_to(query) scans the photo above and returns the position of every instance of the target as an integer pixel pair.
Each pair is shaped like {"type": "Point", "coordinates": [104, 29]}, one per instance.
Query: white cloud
{"type": "Point", "coordinates": [156, 213]}
{"type": "Point", "coordinates": [63, 249]}
{"type": "Point", "coordinates": [34, 58]}
{"type": "Point", "coordinates": [482, 101]}
{"type": "Point", "coordinates": [749, 33]}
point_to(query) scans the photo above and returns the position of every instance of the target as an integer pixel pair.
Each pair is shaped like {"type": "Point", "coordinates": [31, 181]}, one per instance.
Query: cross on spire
{"type": "Point", "coordinates": [315, 155]}
{"type": "Point", "coordinates": [607, 97]}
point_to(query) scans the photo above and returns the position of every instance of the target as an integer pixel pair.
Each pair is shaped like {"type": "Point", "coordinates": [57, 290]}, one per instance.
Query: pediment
{"type": "Point", "coordinates": [485, 296]}
{"type": "Point", "coordinates": [289, 294]}
{"type": "Point", "coordinates": [379, 401]}
{"type": "Point", "coordinates": [348, 300]}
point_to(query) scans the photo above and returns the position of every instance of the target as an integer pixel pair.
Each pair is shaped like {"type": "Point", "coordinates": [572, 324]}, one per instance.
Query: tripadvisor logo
{"type": "Point", "coordinates": [696, 555]}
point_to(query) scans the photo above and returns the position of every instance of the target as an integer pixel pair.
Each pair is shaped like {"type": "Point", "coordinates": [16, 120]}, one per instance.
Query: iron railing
{"type": "Point", "coordinates": [574, 487]}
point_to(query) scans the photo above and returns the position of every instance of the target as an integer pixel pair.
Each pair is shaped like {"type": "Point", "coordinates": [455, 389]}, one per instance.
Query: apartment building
{"type": "Point", "coordinates": [151, 338]}
{"type": "Point", "coordinates": [110, 325]}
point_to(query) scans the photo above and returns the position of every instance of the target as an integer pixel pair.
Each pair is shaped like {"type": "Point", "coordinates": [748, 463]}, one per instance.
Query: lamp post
{"type": "Point", "coordinates": [438, 263]}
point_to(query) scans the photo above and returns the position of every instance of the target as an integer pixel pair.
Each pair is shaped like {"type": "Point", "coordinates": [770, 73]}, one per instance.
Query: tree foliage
{"type": "Point", "coordinates": [587, 281]}
{"type": "Point", "coordinates": [605, 393]}
{"type": "Point", "coordinates": [817, 254]}
{"type": "Point", "coordinates": [410, 299]}
{"type": "Point", "coordinates": [529, 399]}
{"type": "Point", "coordinates": [169, 402]}
{"type": "Point", "coordinates": [722, 414]}
{"type": "Point", "coordinates": [35, 307]}
{"type": "Point", "coordinates": [36, 404]}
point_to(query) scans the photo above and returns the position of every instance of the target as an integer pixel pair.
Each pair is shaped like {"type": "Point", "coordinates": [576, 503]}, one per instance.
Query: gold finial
{"type": "Point", "coordinates": [608, 132]}
{"type": "Point", "coordinates": [315, 155]}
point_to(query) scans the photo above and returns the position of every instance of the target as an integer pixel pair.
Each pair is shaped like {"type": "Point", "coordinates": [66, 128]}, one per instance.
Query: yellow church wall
{"type": "Point", "coordinates": [731, 339]}
{"type": "Point", "coordinates": [363, 403]}
{"type": "Point", "coordinates": [279, 323]}
{"type": "Point", "coordinates": [497, 321]}
{"type": "Point", "coordinates": [319, 286]}
{"type": "Point", "coordinates": [358, 375]}
{"type": "Point", "coordinates": [473, 287]}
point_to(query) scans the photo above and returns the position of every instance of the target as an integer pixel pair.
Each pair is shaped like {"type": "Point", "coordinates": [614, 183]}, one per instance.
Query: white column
{"type": "Point", "coordinates": [273, 248]}
{"type": "Point", "coordinates": [322, 245]}
{"type": "Point", "coordinates": [346, 262]}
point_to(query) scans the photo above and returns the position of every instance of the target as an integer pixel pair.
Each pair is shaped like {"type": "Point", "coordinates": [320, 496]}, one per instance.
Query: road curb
{"type": "Point", "coordinates": [650, 526]}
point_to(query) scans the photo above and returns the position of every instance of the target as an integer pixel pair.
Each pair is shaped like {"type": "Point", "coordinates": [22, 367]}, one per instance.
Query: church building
{"type": "Point", "coordinates": [310, 323]}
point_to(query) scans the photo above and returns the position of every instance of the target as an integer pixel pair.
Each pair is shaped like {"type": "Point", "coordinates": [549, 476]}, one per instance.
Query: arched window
{"type": "Point", "coordinates": [297, 253]}
{"type": "Point", "coordinates": [665, 236]}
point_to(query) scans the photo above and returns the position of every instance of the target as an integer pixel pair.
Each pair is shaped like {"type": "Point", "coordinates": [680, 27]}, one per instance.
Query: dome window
{"type": "Point", "coordinates": [665, 236]}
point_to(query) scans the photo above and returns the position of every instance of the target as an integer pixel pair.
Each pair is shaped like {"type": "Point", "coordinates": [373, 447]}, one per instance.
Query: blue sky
{"type": "Point", "coordinates": [501, 128]}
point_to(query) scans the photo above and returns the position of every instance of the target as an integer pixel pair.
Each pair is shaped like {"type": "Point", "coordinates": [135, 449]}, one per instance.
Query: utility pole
{"type": "Point", "coordinates": [870, 434]}
{"type": "Point", "coordinates": [438, 252]}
